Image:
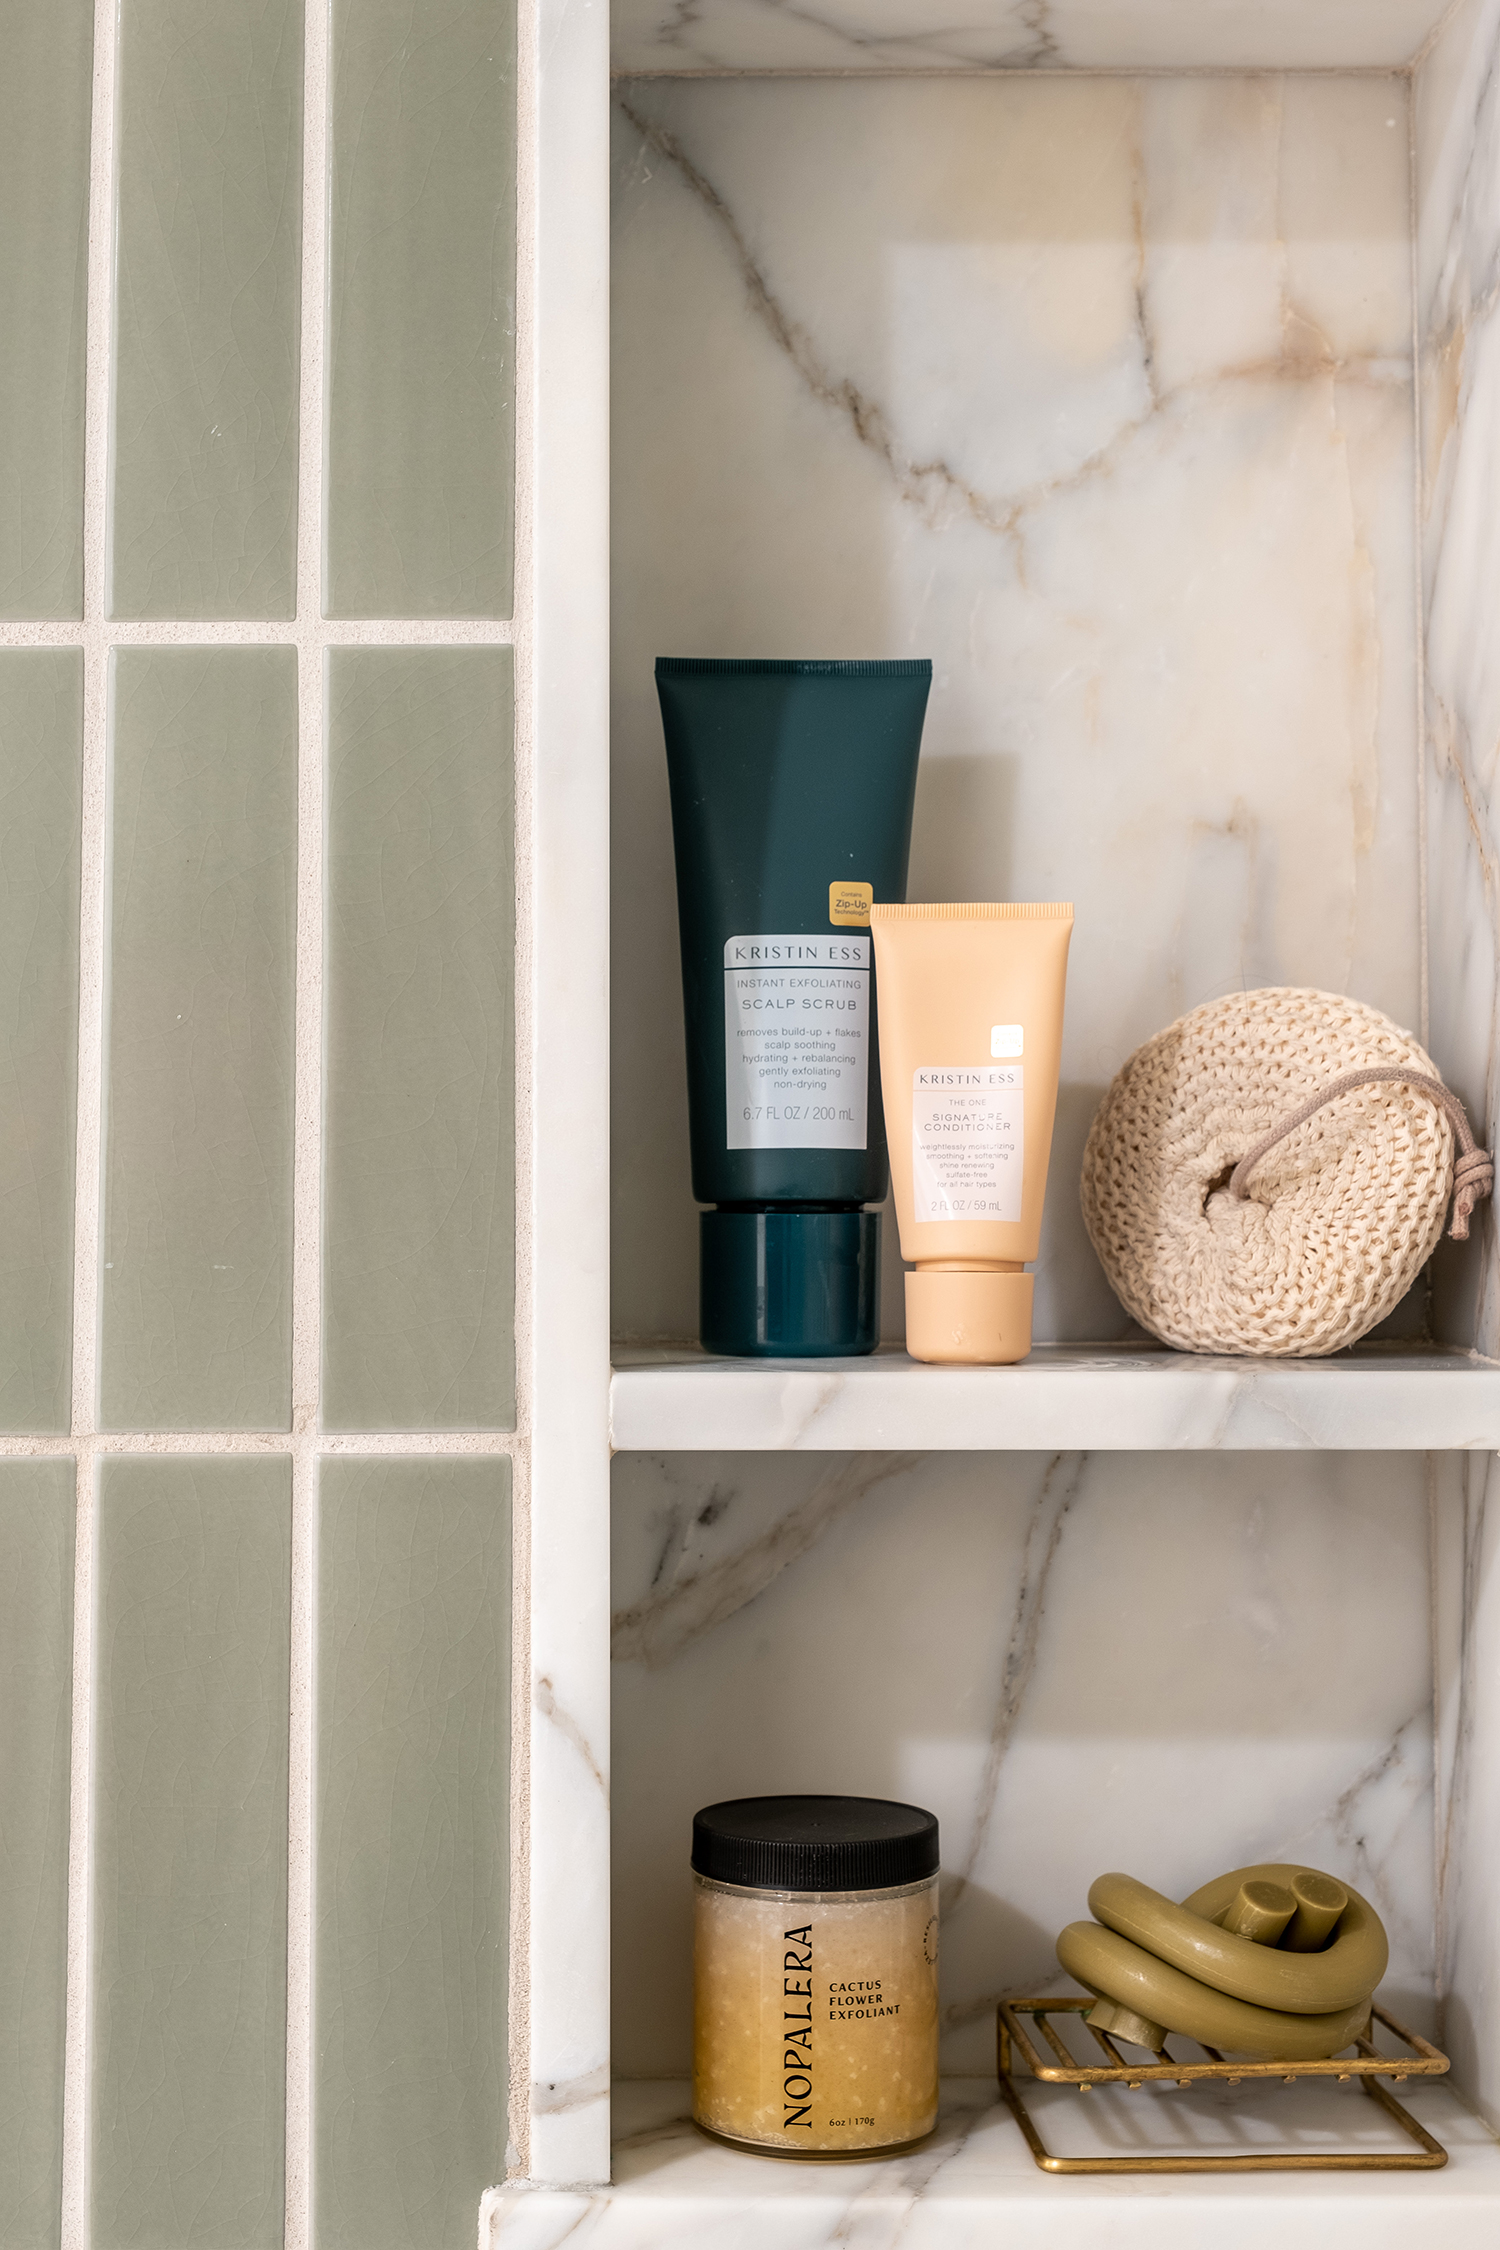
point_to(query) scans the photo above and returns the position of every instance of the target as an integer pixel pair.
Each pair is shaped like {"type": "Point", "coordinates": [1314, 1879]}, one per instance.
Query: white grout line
{"type": "Point", "coordinates": [307, 1187]}
{"type": "Point", "coordinates": [92, 1058]}
{"type": "Point", "coordinates": [342, 632]}
{"type": "Point", "coordinates": [518, 1982]}
{"type": "Point", "coordinates": [266, 1445]}
{"type": "Point", "coordinates": [1434, 36]}
{"type": "Point", "coordinates": [98, 360]}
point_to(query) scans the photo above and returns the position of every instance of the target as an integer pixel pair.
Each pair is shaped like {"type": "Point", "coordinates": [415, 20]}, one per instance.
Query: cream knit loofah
{"type": "Point", "coordinates": [1335, 1221]}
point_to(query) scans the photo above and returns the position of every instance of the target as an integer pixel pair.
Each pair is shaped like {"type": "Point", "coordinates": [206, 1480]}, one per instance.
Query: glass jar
{"type": "Point", "coordinates": [815, 2003]}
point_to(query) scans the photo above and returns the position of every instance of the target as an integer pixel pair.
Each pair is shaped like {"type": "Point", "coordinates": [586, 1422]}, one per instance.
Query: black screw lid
{"type": "Point", "coordinates": [815, 1843]}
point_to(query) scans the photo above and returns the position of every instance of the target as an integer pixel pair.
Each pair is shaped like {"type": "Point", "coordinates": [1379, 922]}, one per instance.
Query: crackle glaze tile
{"type": "Point", "coordinates": [206, 354]}
{"type": "Point", "coordinates": [419, 1209]}
{"type": "Point", "coordinates": [41, 737]}
{"type": "Point", "coordinates": [188, 2036]}
{"type": "Point", "coordinates": [36, 1678]}
{"type": "Point", "coordinates": [196, 1281]}
{"type": "Point", "coordinates": [412, 1850]}
{"type": "Point", "coordinates": [46, 104]}
{"type": "Point", "coordinates": [421, 315]}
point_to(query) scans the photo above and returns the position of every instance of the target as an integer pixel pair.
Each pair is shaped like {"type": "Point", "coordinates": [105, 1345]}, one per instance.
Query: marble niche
{"type": "Point", "coordinates": [1127, 400]}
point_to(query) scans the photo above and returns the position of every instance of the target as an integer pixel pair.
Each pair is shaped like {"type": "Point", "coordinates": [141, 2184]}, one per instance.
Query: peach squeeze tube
{"type": "Point", "coordinates": [970, 1003]}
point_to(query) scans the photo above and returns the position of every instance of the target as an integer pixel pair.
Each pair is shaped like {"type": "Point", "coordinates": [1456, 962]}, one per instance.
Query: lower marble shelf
{"type": "Point", "coordinates": [1090, 1398]}
{"type": "Point", "coordinates": [974, 2184]}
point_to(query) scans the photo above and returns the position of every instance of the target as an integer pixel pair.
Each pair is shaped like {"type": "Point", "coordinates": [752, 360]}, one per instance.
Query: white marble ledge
{"type": "Point", "coordinates": [913, 35]}
{"type": "Point", "coordinates": [1086, 1398]}
{"type": "Point", "coordinates": [974, 2184]}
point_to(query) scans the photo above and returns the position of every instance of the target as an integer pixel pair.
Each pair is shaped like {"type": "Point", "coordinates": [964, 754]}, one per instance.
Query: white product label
{"type": "Point", "coordinates": [796, 1041]}
{"type": "Point", "coordinates": [1007, 1039]}
{"type": "Point", "coordinates": [968, 1142]}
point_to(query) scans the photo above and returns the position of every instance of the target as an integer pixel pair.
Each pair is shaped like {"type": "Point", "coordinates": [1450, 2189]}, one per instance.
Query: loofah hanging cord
{"type": "Point", "coordinates": [1473, 1173]}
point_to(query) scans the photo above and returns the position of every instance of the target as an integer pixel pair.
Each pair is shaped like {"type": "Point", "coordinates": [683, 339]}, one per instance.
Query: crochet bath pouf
{"type": "Point", "coordinates": [1304, 1247]}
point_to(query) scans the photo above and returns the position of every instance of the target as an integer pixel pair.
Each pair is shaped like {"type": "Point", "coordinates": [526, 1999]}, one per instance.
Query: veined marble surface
{"type": "Point", "coordinates": [1458, 291]}
{"type": "Point", "coordinates": [810, 35]}
{"type": "Point", "coordinates": [1113, 1398]}
{"type": "Point", "coordinates": [1466, 1554]}
{"type": "Point", "coordinates": [974, 2185]}
{"type": "Point", "coordinates": [1097, 391]}
{"type": "Point", "coordinates": [1079, 1662]}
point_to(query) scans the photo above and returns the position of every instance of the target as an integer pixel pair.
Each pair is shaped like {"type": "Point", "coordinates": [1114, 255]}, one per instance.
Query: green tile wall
{"type": "Point", "coordinates": [45, 105]}
{"type": "Point", "coordinates": [196, 1301]}
{"type": "Point", "coordinates": [421, 336]}
{"type": "Point", "coordinates": [41, 744]}
{"type": "Point", "coordinates": [187, 2130]}
{"type": "Point", "coordinates": [210, 186]}
{"type": "Point", "coordinates": [412, 1854]}
{"type": "Point", "coordinates": [419, 1254]}
{"type": "Point", "coordinates": [36, 1680]}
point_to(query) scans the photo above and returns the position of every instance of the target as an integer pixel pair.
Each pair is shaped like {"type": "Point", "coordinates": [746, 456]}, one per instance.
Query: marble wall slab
{"type": "Point", "coordinates": [1457, 120]}
{"type": "Point", "coordinates": [913, 35]}
{"type": "Point", "coordinates": [1466, 1552]}
{"type": "Point", "coordinates": [1079, 1662]}
{"type": "Point", "coordinates": [1099, 393]}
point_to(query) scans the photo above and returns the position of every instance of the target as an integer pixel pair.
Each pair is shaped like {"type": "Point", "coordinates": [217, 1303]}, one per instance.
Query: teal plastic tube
{"type": "Point", "coordinates": [792, 784]}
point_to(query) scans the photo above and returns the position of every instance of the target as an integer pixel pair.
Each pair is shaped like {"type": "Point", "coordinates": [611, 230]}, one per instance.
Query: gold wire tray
{"type": "Point", "coordinates": [1369, 2066]}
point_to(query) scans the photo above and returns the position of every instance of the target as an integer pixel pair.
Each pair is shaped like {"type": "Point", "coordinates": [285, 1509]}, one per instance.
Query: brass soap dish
{"type": "Point", "coordinates": [1368, 2065]}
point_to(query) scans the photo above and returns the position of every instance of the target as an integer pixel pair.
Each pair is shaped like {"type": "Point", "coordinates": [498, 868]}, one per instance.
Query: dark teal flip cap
{"type": "Point", "coordinates": [789, 1284]}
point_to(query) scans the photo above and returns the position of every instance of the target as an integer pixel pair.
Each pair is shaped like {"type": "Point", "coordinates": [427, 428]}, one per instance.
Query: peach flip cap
{"type": "Point", "coordinates": [978, 1318]}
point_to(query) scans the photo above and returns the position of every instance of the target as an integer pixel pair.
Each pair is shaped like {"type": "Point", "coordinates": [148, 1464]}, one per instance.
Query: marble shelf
{"type": "Point", "coordinates": [674, 2190]}
{"type": "Point", "coordinates": [1106, 1398]}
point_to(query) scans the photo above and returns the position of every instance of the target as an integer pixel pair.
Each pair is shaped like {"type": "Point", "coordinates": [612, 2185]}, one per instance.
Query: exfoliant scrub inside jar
{"type": "Point", "coordinates": [815, 2008]}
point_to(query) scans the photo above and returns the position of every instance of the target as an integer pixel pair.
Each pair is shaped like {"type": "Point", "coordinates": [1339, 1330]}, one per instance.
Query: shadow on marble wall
{"type": "Point", "coordinates": [1166, 1664]}
{"type": "Point", "coordinates": [963, 829]}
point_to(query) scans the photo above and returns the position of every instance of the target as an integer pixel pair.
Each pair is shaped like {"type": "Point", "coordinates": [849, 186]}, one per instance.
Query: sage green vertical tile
{"type": "Point", "coordinates": [36, 1679]}
{"type": "Point", "coordinates": [421, 336]}
{"type": "Point", "coordinates": [196, 1287]}
{"type": "Point", "coordinates": [412, 1851]}
{"type": "Point", "coordinates": [208, 297]}
{"type": "Point", "coordinates": [45, 106]}
{"type": "Point", "coordinates": [190, 1852]}
{"type": "Point", "coordinates": [41, 745]}
{"type": "Point", "coordinates": [419, 1157]}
